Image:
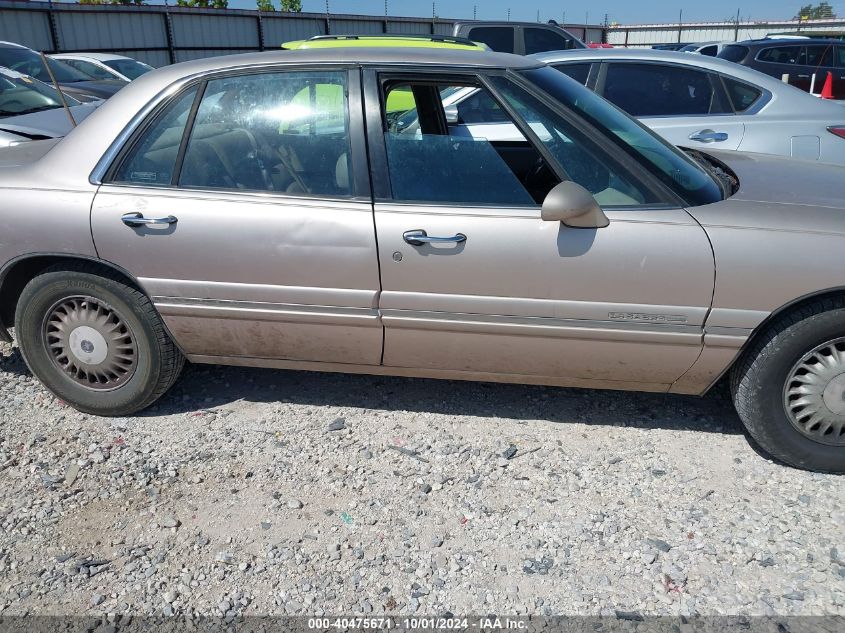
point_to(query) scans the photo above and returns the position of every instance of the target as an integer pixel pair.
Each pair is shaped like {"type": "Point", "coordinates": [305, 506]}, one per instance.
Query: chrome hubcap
{"type": "Point", "coordinates": [90, 343]}
{"type": "Point", "coordinates": [814, 394]}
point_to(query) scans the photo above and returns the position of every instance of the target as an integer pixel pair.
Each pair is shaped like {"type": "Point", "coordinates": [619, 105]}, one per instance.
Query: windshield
{"type": "Point", "coordinates": [129, 68]}
{"type": "Point", "coordinates": [28, 62]}
{"type": "Point", "coordinates": [669, 164]}
{"type": "Point", "coordinates": [20, 95]}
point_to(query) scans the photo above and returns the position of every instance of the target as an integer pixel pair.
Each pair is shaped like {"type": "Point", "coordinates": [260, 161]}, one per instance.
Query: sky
{"type": "Point", "coordinates": [621, 11]}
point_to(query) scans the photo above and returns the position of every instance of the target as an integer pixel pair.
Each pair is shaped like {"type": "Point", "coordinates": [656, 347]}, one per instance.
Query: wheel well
{"type": "Point", "coordinates": [760, 330]}
{"type": "Point", "coordinates": [18, 274]}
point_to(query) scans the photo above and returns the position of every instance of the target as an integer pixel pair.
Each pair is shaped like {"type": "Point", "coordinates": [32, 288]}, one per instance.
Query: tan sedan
{"type": "Point", "coordinates": [266, 210]}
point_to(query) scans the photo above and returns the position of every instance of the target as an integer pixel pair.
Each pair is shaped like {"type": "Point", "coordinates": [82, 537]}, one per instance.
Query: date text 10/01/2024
{"type": "Point", "coordinates": [417, 624]}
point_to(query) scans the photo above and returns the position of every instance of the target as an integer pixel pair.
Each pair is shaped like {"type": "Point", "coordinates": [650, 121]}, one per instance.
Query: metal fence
{"type": "Point", "coordinates": [651, 34]}
{"type": "Point", "coordinates": [161, 35]}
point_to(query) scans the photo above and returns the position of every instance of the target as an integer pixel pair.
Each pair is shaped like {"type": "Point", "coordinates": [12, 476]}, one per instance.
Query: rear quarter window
{"type": "Point", "coordinates": [499, 38]}
{"type": "Point", "coordinates": [742, 95]}
{"type": "Point", "coordinates": [734, 53]}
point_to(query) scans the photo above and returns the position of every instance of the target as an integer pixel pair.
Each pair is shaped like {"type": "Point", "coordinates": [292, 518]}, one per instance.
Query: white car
{"type": "Point", "coordinates": [709, 103]}
{"type": "Point", "coordinates": [105, 65]}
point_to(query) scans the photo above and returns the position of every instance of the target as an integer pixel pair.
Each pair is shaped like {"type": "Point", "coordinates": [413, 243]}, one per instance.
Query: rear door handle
{"type": "Point", "coordinates": [137, 219]}
{"type": "Point", "coordinates": [708, 136]}
{"type": "Point", "coordinates": [418, 237]}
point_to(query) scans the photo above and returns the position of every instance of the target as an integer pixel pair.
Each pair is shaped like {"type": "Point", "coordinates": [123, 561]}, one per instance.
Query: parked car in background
{"type": "Point", "coordinates": [709, 103]}
{"type": "Point", "coordinates": [105, 65]}
{"type": "Point", "coordinates": [72, 82]}
{"type": "Point", "coordinates": [31, 110]}
{"type": "Point", "coordinates": [522, 38]}
{"type": "Point", "coordinates": [583, 253]}
{"type": "Point", "coordinates": [385, 40]}
{"type": "Point", "coordinates": [800, 59]}
{"type": "Point", "coordinates": [711, 49]}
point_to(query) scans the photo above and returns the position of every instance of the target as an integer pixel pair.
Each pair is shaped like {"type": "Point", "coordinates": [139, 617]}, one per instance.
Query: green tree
{"type": "Point", "coordinates": [293, 6]}
{"type": "Point", "coordinates": [820, 11]}
{"type": "Point", "coordinates": [265, 5]}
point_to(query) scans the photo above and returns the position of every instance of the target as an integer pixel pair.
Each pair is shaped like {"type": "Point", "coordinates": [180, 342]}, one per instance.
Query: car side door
{"type": "Point", "coordinates": [476, 283]}
{"type": "Point", "coordinates": [685, 105]}
{"type": "Point", "coordinates": [242, 207]}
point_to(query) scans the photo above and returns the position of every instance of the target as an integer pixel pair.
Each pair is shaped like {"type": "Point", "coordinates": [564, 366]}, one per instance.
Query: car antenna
{"type": "Point", "coordinates": [59, 90]}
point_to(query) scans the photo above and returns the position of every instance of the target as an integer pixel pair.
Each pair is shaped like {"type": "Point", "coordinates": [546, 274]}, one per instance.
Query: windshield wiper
{"type": "Point", "coordinates": [31, 110]}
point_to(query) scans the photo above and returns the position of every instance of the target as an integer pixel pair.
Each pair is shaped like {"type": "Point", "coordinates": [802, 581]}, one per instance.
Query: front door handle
{"type": "Point", "coordinates": [137, 219]}
{"type": "Point", "coordinates": [708, 136]}
{"type": "Point", "coordinates": [419, 237]}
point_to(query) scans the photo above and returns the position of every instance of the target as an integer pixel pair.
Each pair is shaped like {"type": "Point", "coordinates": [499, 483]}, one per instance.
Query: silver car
{"type": "Point", "coordinates": [708, 103]}
{"type": "Point", "coordinates": [263, 210]}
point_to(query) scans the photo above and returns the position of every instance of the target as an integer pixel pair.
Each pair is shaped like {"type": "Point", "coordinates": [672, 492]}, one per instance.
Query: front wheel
{"type": "Point", "coordinates": [789, 388]}
{"type": "Point", "coordinates": [95, 341]}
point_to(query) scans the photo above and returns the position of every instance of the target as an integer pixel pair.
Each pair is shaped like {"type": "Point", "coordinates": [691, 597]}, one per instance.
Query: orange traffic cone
{"type": "Point", "coordinates": [827, 91]}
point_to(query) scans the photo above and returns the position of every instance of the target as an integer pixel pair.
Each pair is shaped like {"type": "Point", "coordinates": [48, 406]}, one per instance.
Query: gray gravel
{"type": "Point", "coordinates": [261, 492]}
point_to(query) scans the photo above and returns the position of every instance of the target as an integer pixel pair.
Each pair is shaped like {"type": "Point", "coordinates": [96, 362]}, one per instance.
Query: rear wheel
{"type": "Point", "coordinates": [95, 341]}
{"type": "Point", "coordinates": [789, 388]}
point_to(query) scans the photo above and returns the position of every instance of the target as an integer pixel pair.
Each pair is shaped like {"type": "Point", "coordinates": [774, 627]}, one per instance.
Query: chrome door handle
{"type": "Point", "coordinates": [137, 219]}
{"type": "Point", "coordinates": [418, 237]}
{"type": "Point", "coordinates": [708, 136]}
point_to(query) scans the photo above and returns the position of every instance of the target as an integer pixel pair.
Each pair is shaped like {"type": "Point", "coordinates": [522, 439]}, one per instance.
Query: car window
{"type": "Point", "coordinates": [742, 95]}
{"type": "Point", "coordinates": [541, 40]}
{"type": "Point", "coordinates": [498, 38]}
{"type": "Point", "coordinates": [480, 108]}
{"type": "Point", "coordinates": [624, 135]}
{"type": "Point", "coordinates": [21, 94]}
{"type": "Point", "coordinates": [840, 54]}
{"type": "Point", "coordinates": [734, 53]}
{"type": "Point", "coordinates": [644, 90]}
{"type": "Point", "coordinates": [92, 70]}
{"type": "Point", "coordinates": [816, 56]}
{"type": "Point", "coordinates": [710, 51]}
{"type": "Point", "coordinates": [579, 72]}
{"type": "Point", "coordinates": [152, 159]}
{"type": "Point", "coordinates": [474, 155]}
{"type": "Point", "coordinates": [28, 62]}
{"type": "Point", "coordinates": [130, 68]}
{"type": "Point", "coordinates": [584, 161]}
{"type": "Point", "coordinates": [780, 55]}
{"type": "Point", "coordinates": [286, 132]}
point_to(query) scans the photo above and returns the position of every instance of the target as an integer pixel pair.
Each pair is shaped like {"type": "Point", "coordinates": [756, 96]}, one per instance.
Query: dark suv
{"type": "Point", "coordinates": [800, 59]}
{"type": "Point", "coordinates": [522, 38]}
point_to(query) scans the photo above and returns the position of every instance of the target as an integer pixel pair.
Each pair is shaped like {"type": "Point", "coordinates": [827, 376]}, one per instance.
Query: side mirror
{"type": "Point", "coordinates": [573, 205]}
{"type": "Point", "coordinates": [452, 117]}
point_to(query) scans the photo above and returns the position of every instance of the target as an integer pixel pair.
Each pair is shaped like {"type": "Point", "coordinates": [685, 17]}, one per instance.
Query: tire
{"type": "Point", "coordinates": [129, 359]}
{"type": "Point", "coordinates": [814, 332]}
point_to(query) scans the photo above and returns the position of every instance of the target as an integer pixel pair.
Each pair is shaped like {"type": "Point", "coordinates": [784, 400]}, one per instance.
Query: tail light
{"type": "Point", "coordinates": [839, 130]}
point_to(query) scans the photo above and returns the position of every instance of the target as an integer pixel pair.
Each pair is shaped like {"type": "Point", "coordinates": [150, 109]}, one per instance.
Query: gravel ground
{"type": "Point", "coordinates": [262, 492]}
